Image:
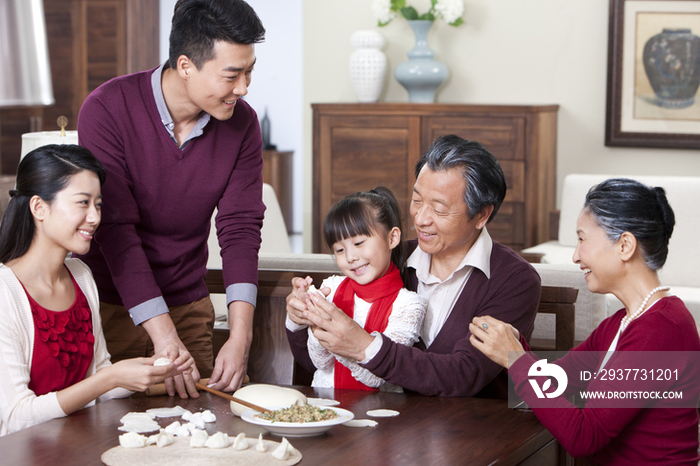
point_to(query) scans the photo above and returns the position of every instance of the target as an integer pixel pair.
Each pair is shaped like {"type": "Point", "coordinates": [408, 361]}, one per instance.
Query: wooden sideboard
{"type": "Point", "coordinates": [359, 146]}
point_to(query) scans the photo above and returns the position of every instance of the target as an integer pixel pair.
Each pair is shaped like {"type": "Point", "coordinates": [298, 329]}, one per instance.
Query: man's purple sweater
{"type": "Point", "coordinates": [159, 199]}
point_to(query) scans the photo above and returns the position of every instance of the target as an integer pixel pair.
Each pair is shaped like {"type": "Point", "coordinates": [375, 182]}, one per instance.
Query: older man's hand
{"type": "Point", "coordinates": [336, 332]}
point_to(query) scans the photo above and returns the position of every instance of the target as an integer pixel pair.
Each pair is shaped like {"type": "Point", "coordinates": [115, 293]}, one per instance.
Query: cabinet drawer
{"type": "Point", "coordinates": [505, 226]}
{"type": "Point", "coordinates": [504, 137]}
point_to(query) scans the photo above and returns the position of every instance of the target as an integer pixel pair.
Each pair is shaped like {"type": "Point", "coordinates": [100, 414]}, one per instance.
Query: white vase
{"type": "Point", "coordinates": [367, 65]}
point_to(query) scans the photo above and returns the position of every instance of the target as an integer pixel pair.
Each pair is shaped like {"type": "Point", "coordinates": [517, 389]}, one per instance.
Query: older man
{"type": "Point", "coordinates": [457, 267]}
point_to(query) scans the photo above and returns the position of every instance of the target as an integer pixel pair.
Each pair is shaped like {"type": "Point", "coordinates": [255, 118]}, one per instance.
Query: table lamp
{"type": "Point", "coordinates": [31, 141]}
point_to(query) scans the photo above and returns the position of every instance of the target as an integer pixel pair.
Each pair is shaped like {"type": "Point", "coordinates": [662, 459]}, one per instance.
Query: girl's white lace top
{"type": "Point", "coordinates": [404, 327]}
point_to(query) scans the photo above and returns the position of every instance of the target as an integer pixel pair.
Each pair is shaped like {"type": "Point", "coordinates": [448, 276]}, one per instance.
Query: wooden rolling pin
{"type": "Point", "coordinates": [226, 396]}
{"type": "Point", "coordinates": [159, 388]}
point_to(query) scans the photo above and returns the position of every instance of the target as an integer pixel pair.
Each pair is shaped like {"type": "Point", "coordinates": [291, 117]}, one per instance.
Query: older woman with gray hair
{"type": "Point", "coordinates": [623, 233]}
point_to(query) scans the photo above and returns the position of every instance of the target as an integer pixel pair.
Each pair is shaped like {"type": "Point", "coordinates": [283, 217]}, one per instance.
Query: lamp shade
{"type": "Point", "coordinates": [24, 56]}
{"type": "Point", "coordinates": [31, 141]}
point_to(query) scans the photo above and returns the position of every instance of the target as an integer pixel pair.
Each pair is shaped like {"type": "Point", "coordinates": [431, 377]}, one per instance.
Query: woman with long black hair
{"type": "Point", "coordinates": [53, 356]}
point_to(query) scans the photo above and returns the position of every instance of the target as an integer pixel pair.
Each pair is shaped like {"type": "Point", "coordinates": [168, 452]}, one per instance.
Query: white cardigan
{"type": "Point", "coordinates": [19, 406]}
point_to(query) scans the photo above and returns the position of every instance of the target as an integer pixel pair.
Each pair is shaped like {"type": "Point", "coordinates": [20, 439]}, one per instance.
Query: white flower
{"type": "Point", "coordinates": [449, 10]}
{"type": "Point", "coordinates": [382, 11]}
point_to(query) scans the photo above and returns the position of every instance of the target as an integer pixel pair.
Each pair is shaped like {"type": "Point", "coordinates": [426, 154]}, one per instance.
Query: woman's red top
{"type": "Point", "coordinates": [63, 345]}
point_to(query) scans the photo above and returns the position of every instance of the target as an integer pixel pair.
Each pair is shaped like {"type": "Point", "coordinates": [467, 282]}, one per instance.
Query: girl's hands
{"type": "Point", "coordinates": [496, 339]}
{"type": "Point", "coordinates": [296, 301]}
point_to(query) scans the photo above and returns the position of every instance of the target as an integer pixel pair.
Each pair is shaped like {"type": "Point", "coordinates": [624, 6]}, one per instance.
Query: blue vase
{"type": "Point", "coordinates": [421, 75]}
{"type": "Point", "coordinates": [672, 63]}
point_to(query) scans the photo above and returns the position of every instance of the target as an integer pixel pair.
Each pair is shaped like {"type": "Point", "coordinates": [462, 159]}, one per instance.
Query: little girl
{"type": "Point", "coordinates": [53, 355]}
{"type": "Point", "coordinates": [364, 233]}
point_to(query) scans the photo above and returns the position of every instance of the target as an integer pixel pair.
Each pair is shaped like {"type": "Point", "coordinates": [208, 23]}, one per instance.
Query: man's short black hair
{"type": "Point", "coordinates": [198, 24]}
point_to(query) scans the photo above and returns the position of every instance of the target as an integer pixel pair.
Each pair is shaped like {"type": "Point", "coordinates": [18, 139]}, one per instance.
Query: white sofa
{"type": "Point", "coordinates": [275, 254]}
{"type": "Point", "coordinates": [590, 308]}
{"type": "Point", "coordinates": [274, 240]}
{"type": "Point", "coordinates": [681, 269]}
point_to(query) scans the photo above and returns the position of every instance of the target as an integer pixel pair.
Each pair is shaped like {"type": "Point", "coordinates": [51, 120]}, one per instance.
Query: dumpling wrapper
{"type": "Point", "coordinates": [322, 402]}
{"type": "Point", "coordinates": [382, 413]}
{"type": "Point", "coordinates": [284, 451]}
{"type": "Point", "coordinates": [218, 440]}
{"type": "Point", "coordinates": [132, 440]}
{"type": "Point", "coordinates": [140, 425]}
{"type": "Point", "coordinates": [137, 417]}
{"type": "Point", "coordinates": [161, 362]}
{"type": "Point", "coordinates": [261, 445]}
{"type": "Point", "coordinates": [199, 438]}
{"type": "Point", "coordinates": [266, 396]}
{"type": "Point", "coordinates": [240, 442]}
{"type": "Point", "coordinates": [175, 411]}
{"type": "Point", "coordinates": [360, 423]}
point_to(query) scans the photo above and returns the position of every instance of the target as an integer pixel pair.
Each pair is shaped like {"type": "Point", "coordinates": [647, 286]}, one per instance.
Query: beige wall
{"type": "Point", "coordinates": [507, 52]}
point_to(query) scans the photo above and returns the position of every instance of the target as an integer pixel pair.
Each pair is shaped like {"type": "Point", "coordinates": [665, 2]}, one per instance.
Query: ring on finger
{"type": "Point", "coordinates": [485, 326]}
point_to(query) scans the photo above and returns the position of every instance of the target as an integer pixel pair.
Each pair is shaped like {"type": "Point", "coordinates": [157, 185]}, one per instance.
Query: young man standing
{"type": "Point", "coordinates": [177, 142]}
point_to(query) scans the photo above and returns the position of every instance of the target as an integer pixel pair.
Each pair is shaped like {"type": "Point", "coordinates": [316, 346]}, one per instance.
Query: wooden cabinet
{"type": "Point", "coordinates": [277, 172]}
{"type": "Point", "coordinates": [90, 42]}
{"type": "Point", "coordinates": [359, 146]}
{"type": "Point", "coordinates": [15, 121]}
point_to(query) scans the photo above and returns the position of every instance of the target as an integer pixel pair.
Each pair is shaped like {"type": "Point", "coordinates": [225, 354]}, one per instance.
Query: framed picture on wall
{"type": "Point", "coordinates": [653, 74]}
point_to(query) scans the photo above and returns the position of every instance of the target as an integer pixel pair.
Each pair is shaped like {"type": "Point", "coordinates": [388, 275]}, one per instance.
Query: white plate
{"type": "Point", "coordinates": [298, 429]}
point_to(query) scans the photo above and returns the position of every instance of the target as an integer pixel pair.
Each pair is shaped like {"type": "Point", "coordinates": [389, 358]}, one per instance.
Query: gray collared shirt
{"type": "Point", "coordinates": [165, 116]}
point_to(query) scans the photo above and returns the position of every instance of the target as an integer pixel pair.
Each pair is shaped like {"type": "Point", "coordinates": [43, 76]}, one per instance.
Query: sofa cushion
{"type": "Point", "coordinates": [556, 255]}
{"type": "Point", "coordinates": [590, 307]}
{"type": "Point", "coordinates": [689, 295]}
{"type": "Point", "coordinates": [683, 193]}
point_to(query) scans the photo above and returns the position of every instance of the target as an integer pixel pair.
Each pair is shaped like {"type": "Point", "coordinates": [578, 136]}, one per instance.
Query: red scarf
{"type": "Point", "coordinates": [381, 293]}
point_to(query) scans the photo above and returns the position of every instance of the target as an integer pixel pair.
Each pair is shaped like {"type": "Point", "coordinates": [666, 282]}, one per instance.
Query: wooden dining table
{"type": "Point", "coordinates": [427, 431]}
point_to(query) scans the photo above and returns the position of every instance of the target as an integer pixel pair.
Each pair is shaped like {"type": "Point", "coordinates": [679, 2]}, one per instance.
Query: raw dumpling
{"type": "Point", "coordinates": [284, 451]}
{"type": "Point", "coordinates": [179, 430]}
{"type": "Point", "coordinates": [261, 445]}
{"type": "Point", "coordinates": [132, 440]}
{"type": "Point", "coordinates": [208, 416]}
{"type": "Point", "coordinates": [197, 422]}
{"type": "Point", "coordinates": [163, 439]}
{"type": "Point", "coordinates": [267, 396]}
{"type": "Point", "coordinates": [199, 438]}
{"type": "Point", "coordinates": [171, 428]}
{"type": "Point", "coordinates": [161, 362]}
{"type": "Point", "coordinates": [240, 442]}
{"type": "Point", "coordinates": [218, 440]}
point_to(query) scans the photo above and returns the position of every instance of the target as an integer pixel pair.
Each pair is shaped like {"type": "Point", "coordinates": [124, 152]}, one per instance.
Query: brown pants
{"type": "Point", "coordinates": [194, 323]}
